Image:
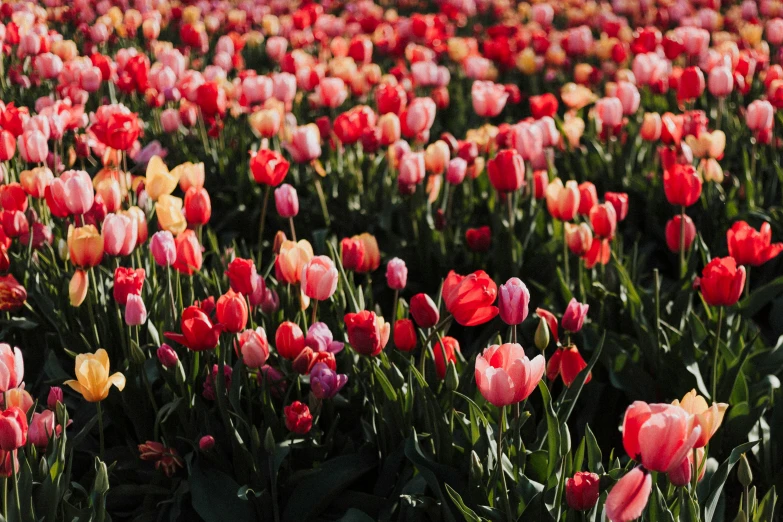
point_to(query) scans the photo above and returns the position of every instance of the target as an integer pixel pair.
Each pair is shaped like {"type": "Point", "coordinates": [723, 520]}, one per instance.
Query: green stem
{"type": "Point", "coordinates": [504, 491]}
{"type": "Point", "coordinates": [682, 242]}
{"type": "Point", "coordinates": [566, 268]}
{"type": "Point", "coordinates": [319, 189]}
{"type": "Point", "coordinates": [267, 190]}
{"type": "Point", "coordinates": [5, 498]}
{"type": "Point", "coordinates": [100, 428]}
{"type": "Point", "coordinates": [16, 484]}
{"type": "Point", "coordinates": [716, 355]}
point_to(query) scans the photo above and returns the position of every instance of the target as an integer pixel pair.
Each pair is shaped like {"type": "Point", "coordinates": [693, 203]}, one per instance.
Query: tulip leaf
{"type": "Point", "coordinates": [766, 508]}
{"type": "Point", "coordinates": [719, 478]}
{"type": "Point", "coordinates": [594, 456]}
{"type": "Point", "coordinates": [552, 433]}
{"type": "Point", "coordinates": [759, 298]}
{"type": "Point", "coordinates": [386, 386]}
{"type": "Point", "coordinates": [572, 394]}
{"type": "Point", "coordinates": [469, 514]}
{"type": "Point", "coordinates": [216, 496]}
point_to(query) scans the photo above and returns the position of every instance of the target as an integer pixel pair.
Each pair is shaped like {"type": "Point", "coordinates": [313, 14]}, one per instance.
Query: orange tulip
{"type": "Point", "coordinates": [85, 246]}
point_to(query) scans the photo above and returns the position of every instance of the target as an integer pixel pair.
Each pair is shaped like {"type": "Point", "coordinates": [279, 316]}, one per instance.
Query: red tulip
{"type": "Point", "coordinates": [424, 311]}
{"type": "Point", "coordinates": [198, 206]}
{"type": "Point", "coordinates": [269, 167]}
{"type": "Point", "coordinates": [722, 282]}
{"type": "Point", "coordinates": [242, 276]}
{"type": "Point", "coordinates": [673, 227]}
{"type": "Point", "coordinates": [619, 201]}
{"type": "Point", "coordinates": [691, 84]}
{"type": "Point", "coordinates": [444, 353]}
{"type": "Point", "coordinates": [582, 490]}
{"type": "Point", "coordinates": [405, 335]}
{"type": "Point", "coordinates": [600, 252]}
{"type": "Point", "coordinates": [478, 239]}
{"type": "Point", "coordinates": [588, 198]}
{"type": "Point", "coordinates": [469, 298]}
{"type": "Point", "coordinates": [507, 171]}
{"type": "Point", "coordinates": [352, 253]}
{"type": "Point", "coordinates": [603, 218]}
{"type": "Point", "coordinates": [566, 362]}
{"type": "Point", "coordinates": [127, 281]}
{"type": "Point", "coordinates": [751, 247]}
{"type": "Point", "coordinates": [232, 311]}
{"type": "Point", "coordinates": [682, 185]}
{"type": "Point", "coordinates": [367, 333]}
{"type": "Point", "coordinates": [543, 105]}
{"type": "Point", "coordinates": [298, 418]}
{"type": "Point", "coordinates": [198, 331]}
{"type": "Point", "coordinates": [189, 256]}
{"type": "Point", "coordinates": [289, 340]}
{"type": "Point", "coordinates": [13, 429]}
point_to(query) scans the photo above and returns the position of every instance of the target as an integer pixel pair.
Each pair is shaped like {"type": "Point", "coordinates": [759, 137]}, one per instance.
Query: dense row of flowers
{"type": "Point", "coordinates": [465, 258]}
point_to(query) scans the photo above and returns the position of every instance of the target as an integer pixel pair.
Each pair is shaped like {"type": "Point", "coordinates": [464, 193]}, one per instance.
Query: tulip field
{"type": "Point", "coordinates": [362, 261]}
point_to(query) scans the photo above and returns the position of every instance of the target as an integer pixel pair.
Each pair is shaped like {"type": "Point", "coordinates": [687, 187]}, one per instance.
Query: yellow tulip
{"type": "Point", "coordinates": [159, 181]}
{"type": "Point", "coordinates": [708, 417]}
{"type": "Point", "coordinates": [170, 216]}
{"type": "Point", "coordinates": [92, 376]}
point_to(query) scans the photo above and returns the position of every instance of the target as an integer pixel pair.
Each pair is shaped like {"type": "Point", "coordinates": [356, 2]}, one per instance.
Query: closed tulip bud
{"type": "Point", "coordinates": [582, 490]}
{"type": "Point", "coordinates": [405, 335]}
{"type": "Point", "coordinates": [455, 173]}
{"type": "Point", "coordinates": [85, 246]}
{"type": "Point", "coordinates": [652, 126]}
{"type": "Point", "coordinates": [13, 429]}
{"type": "Point", "coordinates": [579, 238]}
{"type": "Point", "coordinates": [720, 81]}
{"type": "Point", "coordinates": [760, 115]}
{"type": "Point", "coordinates": [541, 338]}
{"type": "Point", "coordinates": [396, 274]}
{"type": "Point", "coordinates": [55, 397]}
{"type": "Point", "coordinates": [445, 353]}
{"type": "Point", "coordinates": [167, 356]}
{"type": "Point", "coordinates": [513, 301]}
{"type": "Point", "coordinates": [424, 311]}
{"type": "Point", "coordinates": [198, 206]}
{"type": "Point", "coordinates": [507, 171]}
{"type": "Point", "coordinates": [271, 302]}
{"type": "Point", "coordinates": [206, 443]}
{"type": "Point", "coordinates": [673, 229]}
{"type": "Point", "coordinates": [744, 473]}
{"type": "Point", "coordinates": [588, 198]}
{"type": "Point", "coordinates": [722, 282]}
{"type": "Point", "coordinates": [682, 185]}
{"type": "Point", "coordinates": [77, 288]}
{"type": "Point", "coordinates": [603, 218]}
{"type": "Point", "coordinates": [286, 201]}
{"type": "Point", "coordinates": [135, 311]}
{"type": "Point", "coordinates": [232, 311]}
{"type": "Point", "coordinates": [163, 248]}
{"type": "Point", "coordinates": [289, 340]}
{"type": "Point", "coordinates": [436, 157]}
{"type": "Point", "coordinates": [452, 377]}
{"type": "Point", "coordinates": [298, 418]}
{"type": "Point", "coordinates": [574, 316]}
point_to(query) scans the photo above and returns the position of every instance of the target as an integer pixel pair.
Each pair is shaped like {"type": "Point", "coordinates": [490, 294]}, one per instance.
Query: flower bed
{"type": "Point", "coordinates": [416, 261]}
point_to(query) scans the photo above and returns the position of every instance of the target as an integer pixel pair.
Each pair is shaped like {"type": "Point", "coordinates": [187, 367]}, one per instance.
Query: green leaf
{"type": "Point", "coordinates": [594, 456]}
{"type": "Point", "coordinates": [386, 386]}
{"type": "Point", "coordinates": [719, 478]}
{"type": "Point", "coordinates": [469, 514]}
{"type": "Point", "coordinates": [313, 494]}
{"type": "Point", "coordinates": [766, 508]}
{"type": "Point", "coordinates": [354, 515]}
{"type": "Point", "coordinates": [572, 394]}
{"type": "Point", "coordinates": [757, 300]}
{"type": "Point", "coordinates": [215, 497]}
{"type": "Point", "coordinates": [552, 434]}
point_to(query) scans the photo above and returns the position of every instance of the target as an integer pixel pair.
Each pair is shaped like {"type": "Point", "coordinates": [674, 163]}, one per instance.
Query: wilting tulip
{"type": "Point", "coordinates": [289, 340]}
{"type": "Point", "coordinates": [254, 347]}
{"type": "Point", "coordinates": [367, 333]}
{"type": "Point", "coordinates": [751, 247]}
{"type": "Point", "coordinates": [286, 201]}
{"type": "Point", "coordinates": [93, 380]}
{"type": "Point", "coordinates": [396, 274]}
{"type": "Point", "coordinates": [673, 230]}
{"type": "Point", "coordinates": [298, 418]}
{"type": "Point", "coordinates": [582, 490]}
{"type": "Point", "coordinates": [513, 301]}
{"type": "Point", "coordinates": [165, 459]}
{"type": "Point", "coordinates": [444, 352]}
{"type": "Point", "coordinates": [469, 298]}
{"type": "Point", "coordinates": [682, 185]}
{"type": "Point", "coordinates": [722, 281]}
{"type": "Point", "coordinates": [504, 374]}
{"type": "Point", "coordinates": [507, 171]}
{"type": "Point", "coordinates": [709, 418]}
{"type": "Point", "coordinates": [629, 496]}
{"type": "Point", "coordinates": [268, 167]}
{"type": "Point", "coordinates": [566, 362]}
{"type": "Point", "coordinates": [424, 311]}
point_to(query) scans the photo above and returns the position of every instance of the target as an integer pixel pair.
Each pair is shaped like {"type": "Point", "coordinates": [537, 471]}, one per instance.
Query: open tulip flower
{"type": "Point", "coordinates": [499, 231]}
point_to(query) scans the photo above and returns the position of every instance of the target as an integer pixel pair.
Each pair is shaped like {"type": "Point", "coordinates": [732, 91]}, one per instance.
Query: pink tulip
{"type": "Point", "coordinates": [420, 115]}
{"type": "Point", "coordinates": [48, 65]}
{"type": "Point", "coordinates": [33, 146]}
{"type": "Point", "coordinates": [331, 92]}
{"type": "Point", "coordinates": [411, 169]}
{"type": "Point", "coordinates": [488, 98]}
{"type": "Point", "coordinates": [760, 115]}
{"type": "Point", "coordinates": [609, 111]}
{"type": "Point", "coordinates": [254, 347]}
{"type": "Point", "coordinates": [119, 233]}
{"type": "Point", "coordinates": [319, 278]}
{"type": "Point", "coordinates": [170, 120]}
{"type": "Point", "coordinates": [305, 144]}
{"type": "Point", "coordinates": [257, 89]}
{"type": "Point", "coordinates": [513, 301]}
{"type": "Point", "coordinates": [73, 190]}
{"type": "Point", "coordinates": [527, 139]}
{"type": "Point", "coordinates": [574, 316]}
{"type": "Point", "coordinates": [505, 375]}
{"type": "Point", "coordinates": [396, 274]}
{"type": "Point", "coordinates": [774, 30]}
{"type": "Point", "coordinates": [276, 46]}
{"type": "Point", "coordinates": [284, 86]}
{"type": "Point", "coordinates": [163, 248]}
{"type": "Point", "coordinates": [135, 311]}
{"type": "Point", "coordinates": [542, 14]}
{"type": "Point", "coordinates": [629, 496]}
{"type": "Point", "coordinates": [42, 428]}
{"type": "Point", "coordinates": [629, 97]}
{"type": "Point", "coordinates": [286, 201]}
{"type": "Point", "coordinates": [11, 367]}
{"type": "Point", "coordinates": [167, 356]}
{"type": "Point", "coordinates": [455, 172]}
{"type": "Point", "coordinates": [720, 81]}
